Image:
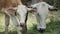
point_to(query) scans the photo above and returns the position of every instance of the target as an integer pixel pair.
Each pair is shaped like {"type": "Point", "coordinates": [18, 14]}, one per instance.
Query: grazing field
{"type": "Point", "coordinates": [53, 24]}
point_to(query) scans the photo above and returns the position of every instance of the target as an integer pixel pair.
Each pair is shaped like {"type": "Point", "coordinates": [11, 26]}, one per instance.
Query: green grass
{"type": "Point", "coordinates": [53, 25]}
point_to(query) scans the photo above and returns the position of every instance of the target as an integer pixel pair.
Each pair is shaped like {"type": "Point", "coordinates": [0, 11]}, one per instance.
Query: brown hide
{"type": "Point", "coordinates": [9, 3]}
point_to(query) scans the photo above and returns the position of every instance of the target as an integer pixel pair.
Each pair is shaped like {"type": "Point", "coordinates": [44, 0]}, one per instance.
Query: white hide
{"type": "Point", "coordinates": [42, 12]}
{"type": "Point", "coordinates": [22, 10]}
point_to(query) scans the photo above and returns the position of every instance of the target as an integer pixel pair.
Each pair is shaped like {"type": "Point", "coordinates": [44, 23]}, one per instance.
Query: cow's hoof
{"type": "Point", "coordinates": [41, 30]}
{"type": "Point", "coordinates": [22, 24]}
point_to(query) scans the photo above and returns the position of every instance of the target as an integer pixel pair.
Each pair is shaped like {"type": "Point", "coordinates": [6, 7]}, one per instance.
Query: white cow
{"type": "Point", "coordinates": [41, 14]}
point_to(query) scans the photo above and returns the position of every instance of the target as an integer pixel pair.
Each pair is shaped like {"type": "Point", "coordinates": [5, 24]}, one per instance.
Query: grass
{"type": "Point", "coordinates": [53, 25]}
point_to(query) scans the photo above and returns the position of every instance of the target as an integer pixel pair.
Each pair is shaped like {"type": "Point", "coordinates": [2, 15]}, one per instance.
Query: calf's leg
{"type": "Point", "coordinates": [7, 19]}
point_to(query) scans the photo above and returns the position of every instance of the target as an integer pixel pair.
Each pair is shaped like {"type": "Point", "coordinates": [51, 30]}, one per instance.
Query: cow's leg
{"type": "Point", "coordinates": [7, 19]}
{"type": "Point", "coordinates": [14, 21]}
{"type": "Point", "coordinates": [16, 24]}
{"type": "Point", "coordinates": [22, 11]}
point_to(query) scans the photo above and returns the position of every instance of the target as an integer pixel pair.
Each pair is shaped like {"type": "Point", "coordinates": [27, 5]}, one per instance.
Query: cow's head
{"type": "Point", "coordinates": [22, 11]}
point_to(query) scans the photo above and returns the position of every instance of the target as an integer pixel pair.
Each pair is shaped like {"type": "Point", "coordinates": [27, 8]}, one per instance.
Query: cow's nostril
{"type": "Point", "coordinates": [22, 24]}
{"type": "Point", "coordinates": [41, 30]}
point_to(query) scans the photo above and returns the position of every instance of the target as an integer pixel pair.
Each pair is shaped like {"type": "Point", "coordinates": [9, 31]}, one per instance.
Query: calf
{"type": "Point", "coordinates": [8, 7]}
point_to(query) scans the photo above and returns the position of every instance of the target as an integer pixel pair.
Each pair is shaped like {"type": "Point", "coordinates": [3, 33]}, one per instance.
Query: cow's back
{"type": "Point", "coordinates": [9, 3]}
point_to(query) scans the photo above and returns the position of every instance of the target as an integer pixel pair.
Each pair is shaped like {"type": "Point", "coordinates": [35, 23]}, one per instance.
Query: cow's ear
{"type": "Point", "coordinates": [54, 9]}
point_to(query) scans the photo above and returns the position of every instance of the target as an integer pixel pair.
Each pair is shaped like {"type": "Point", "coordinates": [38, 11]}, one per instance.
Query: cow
{"type": "Point", "coordinates": [41, 10]}
{"type": "Point", "coordinates": [9, 7]}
